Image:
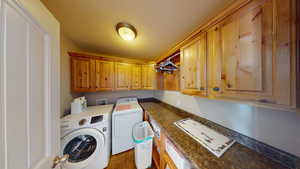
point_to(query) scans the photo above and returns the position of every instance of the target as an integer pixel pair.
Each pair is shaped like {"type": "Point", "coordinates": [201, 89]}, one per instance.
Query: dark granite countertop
{"type": "Point", "coordinates": [236, 157]}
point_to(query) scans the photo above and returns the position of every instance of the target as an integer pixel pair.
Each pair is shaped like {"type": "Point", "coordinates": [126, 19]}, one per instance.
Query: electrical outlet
{"type": "Point", "coordinates": [101, 101]}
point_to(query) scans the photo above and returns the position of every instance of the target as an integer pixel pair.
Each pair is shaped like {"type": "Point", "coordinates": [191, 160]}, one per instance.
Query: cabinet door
{"type": "Point", "coordinates": [214, 61]}
{"type": "Point", "coordinates": [136, 77]}
{"type": "Point", "coordinates": [122, 76]}
{"type": "Point", "coordinates": [104, 75]}
{"type": "Point", "coordinates": [148, 77]}
{"type": "Point", "coordinates": [171, 81]}
{"type": "Point", "coordinates": [81, 74]}
{"type": "Point", "coordinates": [246, 42]}
{"type": "Point", "coordinates": [193, 67]}
{"type": "Point", "coordinates": [242, 56]}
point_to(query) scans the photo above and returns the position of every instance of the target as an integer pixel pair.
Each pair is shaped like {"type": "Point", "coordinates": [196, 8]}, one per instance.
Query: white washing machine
{"type": "Point", "coordinates": [86, 138]}
{"type": "Point", "coordinates": [126, 114]}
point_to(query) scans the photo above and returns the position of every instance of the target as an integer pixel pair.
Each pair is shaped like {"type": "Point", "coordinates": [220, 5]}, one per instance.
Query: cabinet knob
{"type": "Point", "coordinates": [216, 89]}
{"type": "Point", "coordinates": [229, 85]}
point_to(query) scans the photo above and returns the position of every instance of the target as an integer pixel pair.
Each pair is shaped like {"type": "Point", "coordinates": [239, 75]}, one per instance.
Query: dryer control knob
{"type": "Point", "coordinates": [104, 129]}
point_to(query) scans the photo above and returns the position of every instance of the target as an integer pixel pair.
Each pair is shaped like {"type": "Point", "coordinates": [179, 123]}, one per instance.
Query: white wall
{"type": "Point", "coordinates": [277, 128]}
{"type": "Point", "coordinates": [112, 96]}
{"type": "Point", "coordinates": [66, 95]}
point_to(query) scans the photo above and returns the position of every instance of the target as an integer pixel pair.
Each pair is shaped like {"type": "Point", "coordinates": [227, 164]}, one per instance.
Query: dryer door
{"type": "Point", "coordinates": [82, 146]}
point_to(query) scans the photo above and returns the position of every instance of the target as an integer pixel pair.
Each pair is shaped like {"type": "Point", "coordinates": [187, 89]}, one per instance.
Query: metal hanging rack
{"type": "Point", "coordinates": [167, 65]}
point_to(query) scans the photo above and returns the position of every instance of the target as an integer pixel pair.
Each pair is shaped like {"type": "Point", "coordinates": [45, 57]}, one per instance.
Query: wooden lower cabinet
{"type": "Point", "coordinates": [160, 157]}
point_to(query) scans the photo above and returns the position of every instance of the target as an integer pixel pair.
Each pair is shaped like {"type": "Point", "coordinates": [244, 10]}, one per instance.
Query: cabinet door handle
{"type": "Point", "coordinates": [229, 85]}
{"type": "Point", "coordinates": [202, 88]}
{"type": "Point", "coordinates": [266, 101]}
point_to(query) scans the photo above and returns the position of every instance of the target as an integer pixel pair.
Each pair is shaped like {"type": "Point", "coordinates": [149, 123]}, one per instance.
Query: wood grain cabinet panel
{"type": "Point", "coordinates": [246, 41]}
{"type": "Point", "coordinates": [122, 76]}
{"type": "Point", "coordinates": [171, 81]}
{"type": "Point", "coordinates": [193, 67]}
{"type": "Point", "coordinates": [81, 76]}
{"type": "Point", "coordinates": [104, 75]}
{"type": "Point", "coordinates": [247, 58]}
{"type": "Point", "coordinates": [242, 52]}
{"type": "Point", "coordinates": [94, 73]}
{"type": "Point", "coordinates": [214, 61]}
{"type": "Point", "coordinates": [148, 77]}
{"type": "Point", "coordinates": [136, 77]}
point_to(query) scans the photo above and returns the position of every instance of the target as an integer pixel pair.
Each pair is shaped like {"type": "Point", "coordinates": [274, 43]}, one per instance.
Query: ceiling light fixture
{"type": "Point", "coordinates": [126, 31]}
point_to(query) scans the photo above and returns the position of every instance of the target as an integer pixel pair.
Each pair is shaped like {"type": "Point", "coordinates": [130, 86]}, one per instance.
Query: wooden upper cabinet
{"type": "Point", "coordinates": [95, 73]}
{"type": "Point", "coordinates": [136, 77]}
{"type": "Point", "coordinates": [246, 54]}
{"type": "Point", "coordinates": [81, 76]}
{"type": "Point", "coordinates": [247, 58]}
{"type": "Point", "coordinates": [214, 61]}
{"type": "Point", "coordinates": [148, 77]}
{"type": "Point", "coordinates": [193, 67]}
{"type": "Point", "coordinates": [171, 81]}
{"type": "Point", "coordinates": [243, 51]}
{"type": "Point", "coordinates": [104, 75]}
{"type": "Point", "coordinates": [122, 76]}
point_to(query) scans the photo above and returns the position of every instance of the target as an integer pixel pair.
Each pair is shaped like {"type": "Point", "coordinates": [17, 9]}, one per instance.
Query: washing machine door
{"type": "Point", "coordinates": [83, 147]}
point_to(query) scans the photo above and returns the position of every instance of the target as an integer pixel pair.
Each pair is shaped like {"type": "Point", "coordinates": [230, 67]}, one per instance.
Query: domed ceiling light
{"type": "Point", "coordinates": [126, 31]}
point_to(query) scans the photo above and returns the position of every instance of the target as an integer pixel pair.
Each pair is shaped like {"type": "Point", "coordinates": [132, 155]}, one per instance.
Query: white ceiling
{"type": "Point", "coordinates": [160, 23]}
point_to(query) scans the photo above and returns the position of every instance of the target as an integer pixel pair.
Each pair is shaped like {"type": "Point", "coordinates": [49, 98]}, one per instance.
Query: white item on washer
{"type": "Point", "coordinates": [86, 137]}
{"type": "Point", "coordinates": [76, 107]}
{"type": "Point", "coordinates": [143, 139]}
{"type": "Point", "coordinates": [207, 137]}
{"type": "Point", "coordinates": [124, 117]}
{"type": "Point", "coordinates": [177, 158]}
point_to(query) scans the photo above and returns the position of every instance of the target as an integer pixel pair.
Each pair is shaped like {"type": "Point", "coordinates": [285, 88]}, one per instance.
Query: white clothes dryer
{"type": "Point", "coordinates": [86, 138]}
{"type": "Point", "coordinates": [126, 114]}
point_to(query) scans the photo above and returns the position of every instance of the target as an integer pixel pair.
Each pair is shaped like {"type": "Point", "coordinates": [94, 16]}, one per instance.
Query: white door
{"type": "Point", "coordinates": [29, 103]}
